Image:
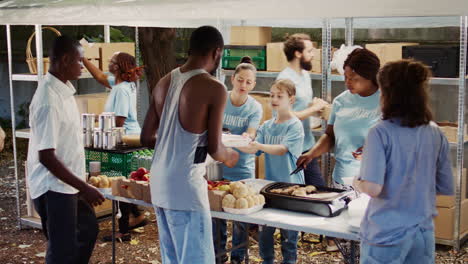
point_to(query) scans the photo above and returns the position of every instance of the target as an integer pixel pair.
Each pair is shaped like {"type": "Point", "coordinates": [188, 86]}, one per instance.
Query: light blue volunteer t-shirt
{"type": "Point", "coordinates": [289, 134]}
{"type": "Point", "coordinates": [352, 116]}
{"type": "Point", "coordinates": [412, 165]}
{"type": "Point", "coordinates": [238, 120]}
{"type": "Point", "coordinates": [122, 101]}
{"type": "Point", "coordinates": [304, 95]}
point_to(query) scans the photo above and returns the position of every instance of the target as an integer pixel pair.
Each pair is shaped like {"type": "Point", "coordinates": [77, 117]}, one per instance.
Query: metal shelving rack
{"type": "Point", "coordinates": [24, 133]}
{"type": "Point", "coordinates": [326, 77]}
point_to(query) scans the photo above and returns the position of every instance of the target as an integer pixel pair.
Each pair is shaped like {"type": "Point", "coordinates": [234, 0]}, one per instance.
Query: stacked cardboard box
{"type": "Point", "coordinates": [250, 36]}
{"type": "Point", "coordinates": [388, 51]}
{"type": "Point", "coordinates": [91, 52]}
{"type": "Point", "coordinates": [276, 60]}
{"type": "Point", "coordinates": [91, 103]}
{"type": "Point", "coordinates": [445, 221]}
{"type": "Point", "coordinates": [139, 190]}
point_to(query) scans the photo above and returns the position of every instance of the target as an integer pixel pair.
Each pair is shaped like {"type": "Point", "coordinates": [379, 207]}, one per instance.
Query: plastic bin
{"type": "Point", "coordinates": [232, 56]}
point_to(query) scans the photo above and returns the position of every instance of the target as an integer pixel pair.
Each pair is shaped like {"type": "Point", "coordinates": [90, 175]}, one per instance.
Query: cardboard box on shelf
{"type": "Point", "coordinates": [256, 36]}
{"type": "Point", "coordinates": [317, 61]}
{"type": "Point", "coordinates": [107, 50]}
{"type": "Point", "coordinates": [448, 201]}
{"type": "Point", "coordinates": [91, 103]}
{"type": "Point", "coordinates": [445, 221]}
{"type": "Point", "coordinates": [216, 199]}
{"type": "Point", "coordinates": [276, 60]}
{"type": "Point", "coordinates": [450, 131]}
{"type": "Point", "coordinates": [95, 62]}
{"type": "Point", "coordinates": [388, 51]}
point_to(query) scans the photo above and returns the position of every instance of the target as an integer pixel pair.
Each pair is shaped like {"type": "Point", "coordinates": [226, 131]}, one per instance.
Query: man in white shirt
{"type": "Point", "coordinates": [298, 49]}
{"type": "Point", "coordinates": [56, 161]}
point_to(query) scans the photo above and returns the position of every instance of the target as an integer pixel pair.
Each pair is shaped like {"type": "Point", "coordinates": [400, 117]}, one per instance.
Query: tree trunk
{"type": "Point", "coordinates": [157, 51]}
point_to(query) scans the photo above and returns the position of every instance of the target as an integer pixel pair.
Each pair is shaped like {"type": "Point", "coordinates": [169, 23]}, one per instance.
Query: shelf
{"type": "Point", "coordinates": [340, 78]}
{"type": "Point", "coordinates": [267, 74]}
{"type": "Point", "coordinates": [27, 77]}
{"type": "Point", "coordinates": [31, 222]}
{"type": "Point", "coordinates": [23, 133]}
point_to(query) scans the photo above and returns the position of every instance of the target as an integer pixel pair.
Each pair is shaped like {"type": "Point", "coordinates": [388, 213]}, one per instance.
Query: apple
{"type": "Point", "coordinates": [142, 171]}
{"type": "Point", "coordinates": [134, 175]}
{"type": "Point", "coordinates": [145, 177]}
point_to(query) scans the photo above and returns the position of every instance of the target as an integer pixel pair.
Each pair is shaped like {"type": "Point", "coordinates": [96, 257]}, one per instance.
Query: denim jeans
{"type": "Point", "coordinates": [288, 245]}
{"type": "Point", "coordinates": [239, 234]}
{"type": "Point", "coordinates": [313, 175]}
{"type": "Point", "coordinates": [70, 226]}
{"type": "Point", "coordinates": [185, 236]}
{"type": "Point", "coordinates": [418, 248]}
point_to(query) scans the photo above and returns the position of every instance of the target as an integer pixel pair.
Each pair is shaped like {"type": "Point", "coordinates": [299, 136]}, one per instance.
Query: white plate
{"type": "Point", "coordinates": [250, 210]}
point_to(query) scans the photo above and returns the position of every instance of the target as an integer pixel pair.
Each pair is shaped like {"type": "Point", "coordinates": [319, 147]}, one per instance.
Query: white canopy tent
{"type": "Point", "coordinates": [193, 13]}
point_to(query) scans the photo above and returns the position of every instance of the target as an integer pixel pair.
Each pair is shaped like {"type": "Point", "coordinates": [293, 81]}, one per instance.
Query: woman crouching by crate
{"type": "Point", "coordinates": [122, 102]}
{"type": "Point", "coordinates": [405, 164]}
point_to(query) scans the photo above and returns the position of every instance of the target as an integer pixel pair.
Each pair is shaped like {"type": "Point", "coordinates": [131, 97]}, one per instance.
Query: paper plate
{"type": "Point", "coordinates": [233, 141]}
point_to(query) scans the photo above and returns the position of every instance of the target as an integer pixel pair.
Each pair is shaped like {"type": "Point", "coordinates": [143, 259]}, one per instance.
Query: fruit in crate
{"type": "Point", "coordinates": [218, 185]}
{"type": "Point", "coordinates": [141, 174]}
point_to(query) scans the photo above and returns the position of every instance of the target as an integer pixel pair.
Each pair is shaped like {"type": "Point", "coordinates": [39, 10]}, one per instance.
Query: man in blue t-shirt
{"type": "Point", "coordinates": [299, 49]}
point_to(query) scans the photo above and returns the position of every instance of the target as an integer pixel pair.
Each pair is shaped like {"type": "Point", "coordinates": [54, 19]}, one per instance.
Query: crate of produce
{"type": "Point", "coordinates": [114, 162]}
{"type": "Point", "coordinates": [232, 56]}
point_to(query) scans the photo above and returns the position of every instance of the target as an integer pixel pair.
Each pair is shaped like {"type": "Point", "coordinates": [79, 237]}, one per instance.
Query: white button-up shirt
{"type": "Point", "coordinates": [55, 124]}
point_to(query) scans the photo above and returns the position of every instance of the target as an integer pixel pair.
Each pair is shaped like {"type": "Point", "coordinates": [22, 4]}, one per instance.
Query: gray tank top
{"type": "Point", "coordinates": [177, 181]}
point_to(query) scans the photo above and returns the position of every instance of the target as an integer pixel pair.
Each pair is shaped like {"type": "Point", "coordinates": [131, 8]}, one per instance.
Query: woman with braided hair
{"type": "Point", "coordinates": [122, 102]}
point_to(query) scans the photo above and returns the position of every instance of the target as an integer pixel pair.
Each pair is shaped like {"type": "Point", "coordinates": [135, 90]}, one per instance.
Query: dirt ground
{"type": "Point", "coordinates": [28, 245]}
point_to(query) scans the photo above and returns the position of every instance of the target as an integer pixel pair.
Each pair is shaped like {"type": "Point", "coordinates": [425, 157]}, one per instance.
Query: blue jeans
{"type": "Point", "coordinates": [288, 245]}
{"type": "Point", "coordinates": [313, 175]}
{"type": "Point", "coordinates": [239, 233]}
{"type": "Point", "coordinates": [418, 248]}
{"type": "Point", "coordinates": [185, 236]}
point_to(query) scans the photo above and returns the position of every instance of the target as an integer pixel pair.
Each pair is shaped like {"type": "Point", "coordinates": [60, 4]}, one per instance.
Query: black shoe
{"type": "Point", "coordinates": [123, 238]}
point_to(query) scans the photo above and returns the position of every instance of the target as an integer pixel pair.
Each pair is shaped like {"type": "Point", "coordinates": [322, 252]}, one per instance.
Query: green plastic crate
{"type": "Point", "coordinates": [112, 162]}
{"type": "Point", "coordinates": [232, 56]}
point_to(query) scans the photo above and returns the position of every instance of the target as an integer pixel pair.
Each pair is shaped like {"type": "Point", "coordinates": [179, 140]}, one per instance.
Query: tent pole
{"type": "Point", "coordinates": [13, 123]}
{"type": "Point", "coordinates": [107, 34]}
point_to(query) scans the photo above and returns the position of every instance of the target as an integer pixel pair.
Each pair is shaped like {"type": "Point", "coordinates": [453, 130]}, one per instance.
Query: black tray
{"type": "Point", "coordinates": [323, 207]}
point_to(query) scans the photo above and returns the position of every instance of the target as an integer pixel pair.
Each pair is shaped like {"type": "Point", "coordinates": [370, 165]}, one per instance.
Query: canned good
{"type": "Point", "coordinates": [87, 138]}
{"type": "Point", "coordinates": [97, 138]}
{"type": "Point", "coordinates": [108, 140]}
{"type": "Point", "coordinates": [106, 121]}
{"type": "Point", "coordinates": [87, 122]}
{"type": "Point", "coordinates": [119, 134]}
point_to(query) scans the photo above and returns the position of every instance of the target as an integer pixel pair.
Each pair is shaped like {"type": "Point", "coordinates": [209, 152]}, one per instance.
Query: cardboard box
{"type": "Point", "coordinates": [115, 185]}
{"type": "Point", "coordinates": [276, 59]}
{"type": "Point", "coordinates": [388, 51]}
{"type": "Point", "coordinates": [95, 62]}
{"type": "Point", "coordinates": [107, 50]}
{"type": "Point", "coordinates": [146, 193]}
{"type": "Point", "coordinates": [215, 198]}
{"type": "Point", "coordinates": [91, 50]}
{"type": "Point", "coordinates": [317, 61]}
{"type": "Point", "coordinates": [445, 221]}
{"type": "Point", "coordinates": [104, 209]}
{"type": "Point", "coordinates": [264, 99]}
{"type": "Point", "coordinates": [450, 131]}
{"type": "Point", "coordinates": [448, 201]}
{"type": "Point", "coordinates": [91, 103]}
{"type": "Point", "coordinates": [257, 36]}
